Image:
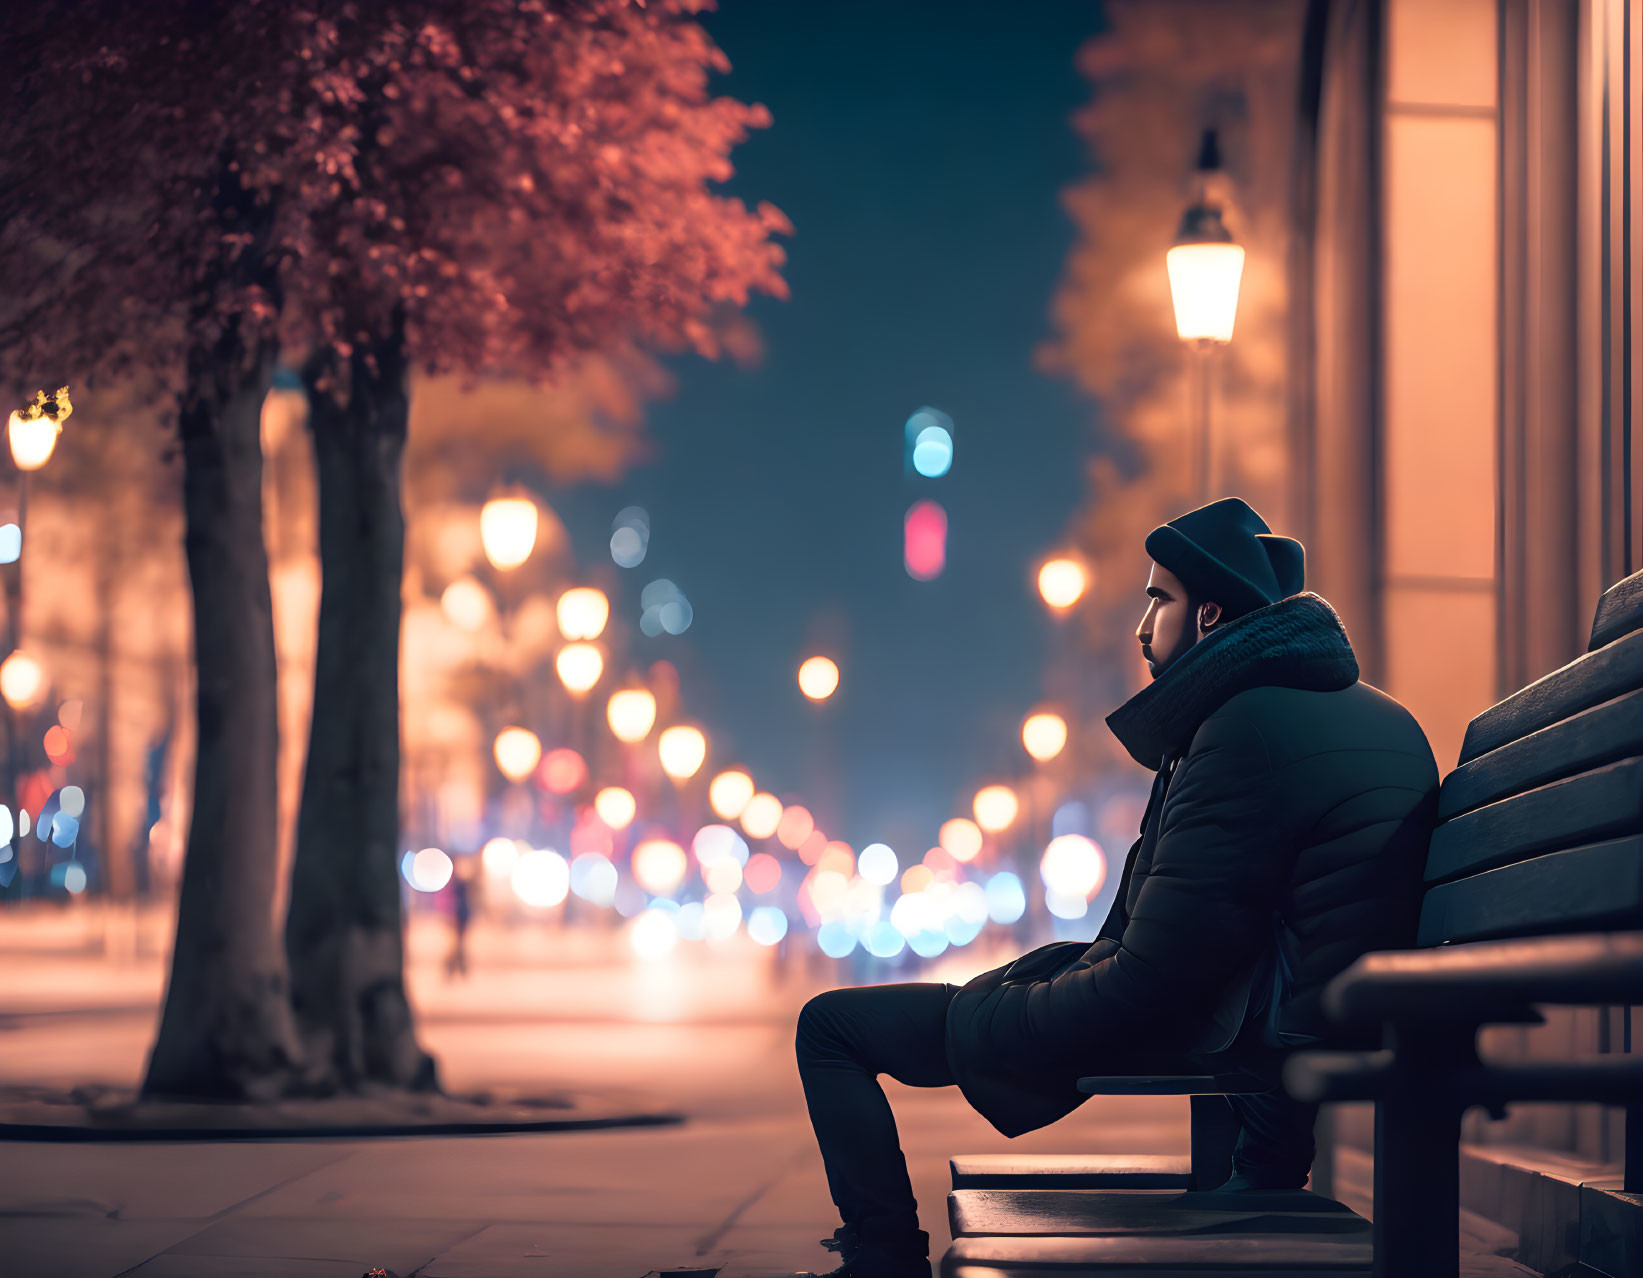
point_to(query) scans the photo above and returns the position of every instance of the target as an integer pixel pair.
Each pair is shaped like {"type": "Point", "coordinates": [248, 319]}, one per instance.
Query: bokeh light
{"type": "Point", "coordinates": [616, 806]}
{"type": "Point", "coordinates": [1065, 905]}
{"type": "Point", "coordinates": [795, 827]}
{"type": "Point", "coordinates": [996, 807]}
{"type": "Point", "coordinates": [1044, 734]}
{"type": "Point", "coordinates": [924, 550]}
{"type": "Point", "coordinates": [517, 751]}
{"type": "Point", "coordinates": [659, 866]}
{"type": "Point", "coordinates": [540, 878]}
{"type": "Point", "coordinates": [22, 681]}
{"type": "Point", "coordinates": [631, 714]}
{"type": "Point", "coordinates": [721, 916]}
{"type": "Point", "coordinates": [818, 678]}
{"type": "Point", "coordinates": [877, 864]}
{"type": "Point", "coordinates": [722, 876]}
{"type": "Point", "coordinates": [431, 870]}
{"type": "Point", "coordinates": [664, 609]}
{"type": "Point", "coordinates": [507, 530]}
{"type": "Point", "coordinates": [916, 878]}
{"type": "Point", "coordinates": [1062, 582]}
{"type": "Point", "coordinates": [499, 855]}
{"type": "Point", "coordinates": [1006, 898]}
{"type": "Point", "coordinates": [961, 838]}
{"type": "Point", "coordinates": [582, 612]}
{"type": "Point", "coordinates": [883, 941]}
{"type": "Point", "coordinates": [729, 792]}
{"type": "Point", "coordinates": [579, 666]}
{"type": "Point", "coordinates": [933, 452]}
{"type": "Point", "coordinates": [714, 843]}
{"type": "Point", "coordinates": [562, 771]}
{"type": "Point", "coordinates": [593, 878]}
{"type": "Point", "coordinates": [763, 874]}
{"type": "Point", "coordinates": [59, 749]}
{"type": "Point", "coordinates": [466, 604]}
{"type": "Point", "coordinates": [630, 537]}
{"type": "Point", "coordinates": [653, 934]}
{"type": "Point", "coordinates": [11, 543]}
{"type": "Point", "coordinates": [839, 857]}
{"type": "Point", "coordinates": [682, 750]}
{"type": "Point", "coordinates": [766, 924]}
{"type": "Point", "coordinates": [835, 939]}
{"type": "Point", "coordinates": [1073, 865]}
{"type": "Point", "coordinates": [74, 877]}
{"type": "Point", "coordinates": [762, 815]}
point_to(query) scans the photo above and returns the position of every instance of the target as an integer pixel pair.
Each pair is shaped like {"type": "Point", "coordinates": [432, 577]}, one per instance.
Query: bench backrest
{"type": "Point", "coordinates": [1540, 827]}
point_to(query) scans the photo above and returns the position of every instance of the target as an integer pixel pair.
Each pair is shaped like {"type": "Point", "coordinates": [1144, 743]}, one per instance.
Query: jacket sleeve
{"type": "Point", "coordinates": [1205, 905]}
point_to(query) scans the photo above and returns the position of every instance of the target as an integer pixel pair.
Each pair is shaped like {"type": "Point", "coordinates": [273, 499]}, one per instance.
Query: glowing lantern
{"type": "Point", "coordinates": [1206, 264]}
{"type": "Point", "coordinates": [996, 807]}
{"type": "Point", "coordinates": [32, 431]}
{"type": "Point", "coordinates": [582, 613]}
{"type": "Point", "coordinates": [579, 666]}
{"type": "Point", "coordinates": [729, 792]}
{"type": "Point", "coordinates": [1062, 583]}
{"type": "Point", "coordinates": [683, 751]}
{"type": "Point", "coordinates": [1044, 734]}
{"type": "Point", "coordinates": [517, 751]}
{"type": "Point", "coordinates": [630, 713]}
{"type": "Point", "coordinates": [960, 838]}
{"type": "Point", "coordinates": [818, 678]}
{"type": "Point", "coordinates": [22, 681]}
{"type": "Point", "coordinates": [507, 530]}
{"type": "Point", "coordinates": [761, 816]}
{"type": "Point", "coordinates": [924, 549]}
{"type": "Point", "coordinates": [659, 865]}
{"type": "Point", "coordinates": [616, 807]}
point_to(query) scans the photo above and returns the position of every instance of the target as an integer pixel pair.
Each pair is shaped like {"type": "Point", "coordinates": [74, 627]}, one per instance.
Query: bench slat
{"type": "Point", "coordinates": [1584, 889]}
{"type": "Point", "coordinates": [1291, 1257]}
{"type": "Point", "coordinates": [1604, 803]}
{"type": "Point", "coordinates": [1070, 1171]}
{"type": "Point", "coordinates": [1082, 1211]}
{"type": "Point", "coordinates": [1619, 612]}
{"type": "Point", "coordinates": [1587, 681]}
{"type": "Point", "coordinates": [1603, 734]}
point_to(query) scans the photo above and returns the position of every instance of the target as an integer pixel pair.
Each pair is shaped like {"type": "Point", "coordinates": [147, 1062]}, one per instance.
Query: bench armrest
{"type": "Point", "coordinates": [1172, 1085]}
{"type": "Point", "coordinates": [1486, 982]}
{"type": "Point", "coordinates": [1355, 1076]}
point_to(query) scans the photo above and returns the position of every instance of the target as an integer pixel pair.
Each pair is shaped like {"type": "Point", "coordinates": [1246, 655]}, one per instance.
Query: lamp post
{"type": "Point", "coordinates": [31, 433]}
{"type": "Point", "coordinates": [1205, 267]}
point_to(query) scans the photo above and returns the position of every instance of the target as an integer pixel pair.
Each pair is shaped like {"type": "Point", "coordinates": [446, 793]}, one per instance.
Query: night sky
{"type": "Point", "coordinates": [919, 150]}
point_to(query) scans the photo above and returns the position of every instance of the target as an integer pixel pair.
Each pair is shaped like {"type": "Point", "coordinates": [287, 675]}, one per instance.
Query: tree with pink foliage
{"type": "Point", "coordinates": [191, 190]}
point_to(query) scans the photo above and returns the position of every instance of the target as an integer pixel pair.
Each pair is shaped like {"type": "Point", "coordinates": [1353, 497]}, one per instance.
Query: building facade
{"type": "Point", "coordinates": [1466, 344]}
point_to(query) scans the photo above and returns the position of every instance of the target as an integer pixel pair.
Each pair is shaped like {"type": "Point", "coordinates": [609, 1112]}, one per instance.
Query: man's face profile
{"type": "Point", "coordinates": [1168, 627]}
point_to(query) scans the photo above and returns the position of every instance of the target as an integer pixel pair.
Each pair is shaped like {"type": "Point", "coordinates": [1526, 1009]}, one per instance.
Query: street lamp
{"type": "Point", "coordinates": [582, 612]}
{"type": "Point", "coordinates": [1205, 267]}
{"type": "Point", "coordinates": [32, 431]}
{"type": "Point", "coordinates": [507, 530]}
{"type": "Point", "coordinates": [630, 713]}
{"type": "Point", "coordinates": [682, 750]}
{"type": "Point", "coordinates": [579, 666]}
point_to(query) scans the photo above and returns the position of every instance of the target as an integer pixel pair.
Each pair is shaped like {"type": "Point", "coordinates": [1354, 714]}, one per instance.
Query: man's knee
{"type": "Point", "coordinates": [818, 1022]}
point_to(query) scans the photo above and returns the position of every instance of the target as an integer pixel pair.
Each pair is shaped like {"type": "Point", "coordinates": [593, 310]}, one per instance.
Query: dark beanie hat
{"type": "Point", "coordinates": [1224, 552]}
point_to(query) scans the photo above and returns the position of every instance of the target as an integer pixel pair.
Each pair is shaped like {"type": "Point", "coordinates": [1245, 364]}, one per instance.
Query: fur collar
{"type": "Point", "coordinates": [1297, 642]}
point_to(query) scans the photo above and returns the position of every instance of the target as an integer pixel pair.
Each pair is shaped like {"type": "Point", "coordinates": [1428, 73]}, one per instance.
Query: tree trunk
{"type": "Point", "coordinates": [344, 928]}
{"type": "Point", "coordinates": [226, 1032]}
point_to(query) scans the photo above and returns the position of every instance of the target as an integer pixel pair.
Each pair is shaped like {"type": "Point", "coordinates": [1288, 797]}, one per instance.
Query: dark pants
{"type": "Point", "coordinates": [848, 1037]}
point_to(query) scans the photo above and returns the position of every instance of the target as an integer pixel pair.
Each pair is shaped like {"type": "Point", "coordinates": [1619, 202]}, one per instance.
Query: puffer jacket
{"type": "Point", "coordinates": [1285, 836]}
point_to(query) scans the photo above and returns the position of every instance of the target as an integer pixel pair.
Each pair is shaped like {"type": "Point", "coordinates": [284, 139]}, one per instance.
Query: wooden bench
{"type": "Point", "coordinates": [1541, 841]}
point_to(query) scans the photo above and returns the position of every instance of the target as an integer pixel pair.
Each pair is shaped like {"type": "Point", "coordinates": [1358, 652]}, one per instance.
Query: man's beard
{"type": "Point", "coordinates": [1183, 645]}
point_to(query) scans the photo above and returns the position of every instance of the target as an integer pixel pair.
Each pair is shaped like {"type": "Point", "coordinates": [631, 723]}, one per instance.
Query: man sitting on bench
{"type": "Point", "coordinates": [1284, 837]}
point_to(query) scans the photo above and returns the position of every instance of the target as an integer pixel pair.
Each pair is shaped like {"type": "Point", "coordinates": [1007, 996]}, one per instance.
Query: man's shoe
{"type": "Point", "coordinates": [867, 1260]}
